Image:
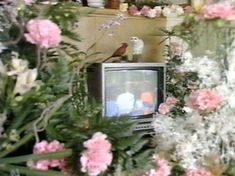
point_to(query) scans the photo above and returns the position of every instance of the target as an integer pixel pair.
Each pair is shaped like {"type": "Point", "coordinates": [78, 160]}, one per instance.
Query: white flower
{"type": "Point", "coordinates": [187, 109]}
{"type": "Point", "coordinates": [158, 11]}
{"type": "Point", "coordinates": [2, 47]}
{"type": "Point", "coordinates": [25, 81]}
{"type": "Point", "coordinates": [178, 45]}
{"type": "Point", "coordinates": [166, 12]}
{"type": "Point", "coordinates": [18, 66]}
{"type": "Point", "coordinates": [2, 68]}
{"type": "Point", "coordinates": [172, 11]}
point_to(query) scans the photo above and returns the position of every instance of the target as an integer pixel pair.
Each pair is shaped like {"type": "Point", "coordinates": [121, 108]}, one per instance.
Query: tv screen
{"type": "Point", "coordinates": [130, 91]}
{"type": "Point", "coordinates": [133, 89]}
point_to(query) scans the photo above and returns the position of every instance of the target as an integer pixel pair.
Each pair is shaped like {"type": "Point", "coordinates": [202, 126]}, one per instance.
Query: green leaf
{"type": "Point", "coordinates": [29, 172]}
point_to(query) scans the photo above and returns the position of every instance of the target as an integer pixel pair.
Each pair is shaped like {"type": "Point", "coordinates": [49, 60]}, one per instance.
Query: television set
{"type": "Point", "coordinates": [132, 89]}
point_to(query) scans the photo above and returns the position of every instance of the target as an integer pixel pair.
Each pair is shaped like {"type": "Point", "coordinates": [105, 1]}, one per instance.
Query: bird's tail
{"type": "Point", "coordinates": [105, 60]}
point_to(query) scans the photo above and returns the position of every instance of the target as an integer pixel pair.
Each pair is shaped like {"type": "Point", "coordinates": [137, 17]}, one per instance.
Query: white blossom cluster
{"type": "Point", "coordinates": [25, 77]}
{"type": "Point", "coordinates": [172, 11]}
{"type": "Point", "coordinates": [208, 69]}
{"type": "Point", "coordinates": [116, 21]}
{"type": "Point", "coordinates": [196, 137]}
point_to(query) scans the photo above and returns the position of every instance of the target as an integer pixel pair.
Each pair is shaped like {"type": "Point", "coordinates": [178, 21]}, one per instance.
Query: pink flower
{"type": "Point", "coordinates": [206, 99]}
{"type": "Point", "coordinates": [55, 146]}
{"type": "Point", "coordinates": [198, 172]}
{"type": "Point", "coordinates": [47, 147]}
{"type": "Point", "coordinates": [98, 156]}
{"type": "Point", "coordinates": [164, 108]}
{"type": "Point", "coordinates": [42, 165]}
{"type": "Point", "coordinates": [219, 10]}
{"type": "Point", "coordinates": [152, 13]}
{"type": "Point", "coordinates": [43, 33]}
{"type": "Point", "coordinates": [29, 2]}
{"type": "Point", "coordinates": [98, 142]}
{"type": "Point", "coordinates": [133, 10]}
{"type": "Point", "coordinates": [145, 10]}
{"type": "Point", "coordinates": [40, 147]}
{"type": "Point", "coordinates": [171, 101]}
{"type": "Point", "coordinates": [163, 169]}
{"type": "Point", "coordinates": [95, 163]}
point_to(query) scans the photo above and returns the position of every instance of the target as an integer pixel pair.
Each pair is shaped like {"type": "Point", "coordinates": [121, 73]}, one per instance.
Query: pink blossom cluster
{"type": "Point", "coordinates": [145, 11]}
{"type": "Point", "coordinates": [98, 156]}
{"type": "Point", "coordinates": [206, 99]}
{"type": "Point", "coordinates": [224, 11]}
{"type": "Point", "coordinates": [43, 33]}
{"type": "Point", "coordinates": [29, 2]}
{"type": "Point", "coordinates": [166, 107]}
{"type": "Point", "coordinates": [48, 147]}
{"type": "Point", "coordinates": [157, 11]}
{"type": "Point", "coordinates": [198, 172]}
{"type": "Point", "coordinates": [163, 169]}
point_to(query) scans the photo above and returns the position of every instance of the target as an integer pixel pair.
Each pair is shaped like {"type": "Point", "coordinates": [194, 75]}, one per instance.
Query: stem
{"type": "Point", "coordinates": [36, 157]}
{"type": "Point", "coordinates": [38, 58]}
{"type": "Point", "coordinates": [18, 38]}
{"type": "Point", "coordinates": [31, 172]}
{"type": "Point", "coordinates": [24, 140]}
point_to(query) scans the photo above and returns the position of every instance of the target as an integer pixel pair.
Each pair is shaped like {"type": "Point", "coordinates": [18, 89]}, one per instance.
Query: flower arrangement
{"type": "Point", "coordinates": [48, 124]}
{"type": "Point", "coordinates": [196, 131]}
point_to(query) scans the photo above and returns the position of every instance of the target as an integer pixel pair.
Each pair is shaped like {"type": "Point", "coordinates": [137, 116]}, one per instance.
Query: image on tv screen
{"type": "Point", "coordinates": [130, 92]}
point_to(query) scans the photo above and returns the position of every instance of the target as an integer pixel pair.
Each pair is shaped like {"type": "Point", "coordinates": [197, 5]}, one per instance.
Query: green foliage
{"type": "Point", "coordinates": [132, 154]}
{"type": "Point", "coordinates": [230, 171]}
{"type": "Point", "coordinates": [178, 84]}
{"type": "Point", "coordinates": [65, 14]}
{"type": "Point", "coordinates": [177, 170]}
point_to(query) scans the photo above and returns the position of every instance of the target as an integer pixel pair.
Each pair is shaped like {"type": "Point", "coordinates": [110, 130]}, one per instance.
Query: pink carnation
{"type": "Point", "coordinates": [164, 108]}
{"type": "Point", "coordinates": [98, 142]}
{"type": "Point", "coordinates": [163, 169]}
{"type": "Point", "coordinates": [55, 146]}
{"type": "Point", "coordinates": [133, 10]}
{"type": "Point", "coordinates": [198, 172]}
{"type": "Point", "coordinates": [95, 163]}
{"type": "Point", "coordinates": [48, 147]}
{"type": "Point", "coordinates": [171, 101]}
{"type": "Point", "coordinates": [43, 33]}
{"type": "Point", "coordinates": [145, 10]}
{"type": "Point", "coordinates": [206, 99]}
{"type": "Point", "coordinates": [42, 165]}
{"type": "Point", "coordinates": [40, 147]}
{"type": "Point", "coordinates": [98, 156]}
{"type": "Point", "coordinates": [29, 2]}
{"type": "Point", "coordinates": [219, 10]}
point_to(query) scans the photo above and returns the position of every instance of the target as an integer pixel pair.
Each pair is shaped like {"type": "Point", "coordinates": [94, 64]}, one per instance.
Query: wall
{"type": "Point", "coordinates": [108, 41]}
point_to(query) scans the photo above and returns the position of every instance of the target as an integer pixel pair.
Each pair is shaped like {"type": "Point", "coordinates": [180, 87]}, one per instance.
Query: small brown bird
{"type": "Point", "coordinates": [119, 52]}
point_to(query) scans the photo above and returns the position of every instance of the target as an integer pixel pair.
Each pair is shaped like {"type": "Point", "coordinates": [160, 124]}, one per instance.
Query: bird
{"type": "Point", "coordinates": [137, 45]}
{"type": "Point", "coordinates": [118, 52]}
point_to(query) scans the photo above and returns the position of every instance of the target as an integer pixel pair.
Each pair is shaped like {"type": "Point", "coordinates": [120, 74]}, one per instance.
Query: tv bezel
{"type": "Point", "coordinates": [133, 66]}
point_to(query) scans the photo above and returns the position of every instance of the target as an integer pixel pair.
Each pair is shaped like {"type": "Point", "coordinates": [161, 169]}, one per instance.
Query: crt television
{"type": "Point", "coordinates": [133, 89]}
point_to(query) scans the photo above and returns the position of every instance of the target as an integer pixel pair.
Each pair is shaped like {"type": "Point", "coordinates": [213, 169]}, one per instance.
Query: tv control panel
{"type": "Point", "coordinates": [144, 126]}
